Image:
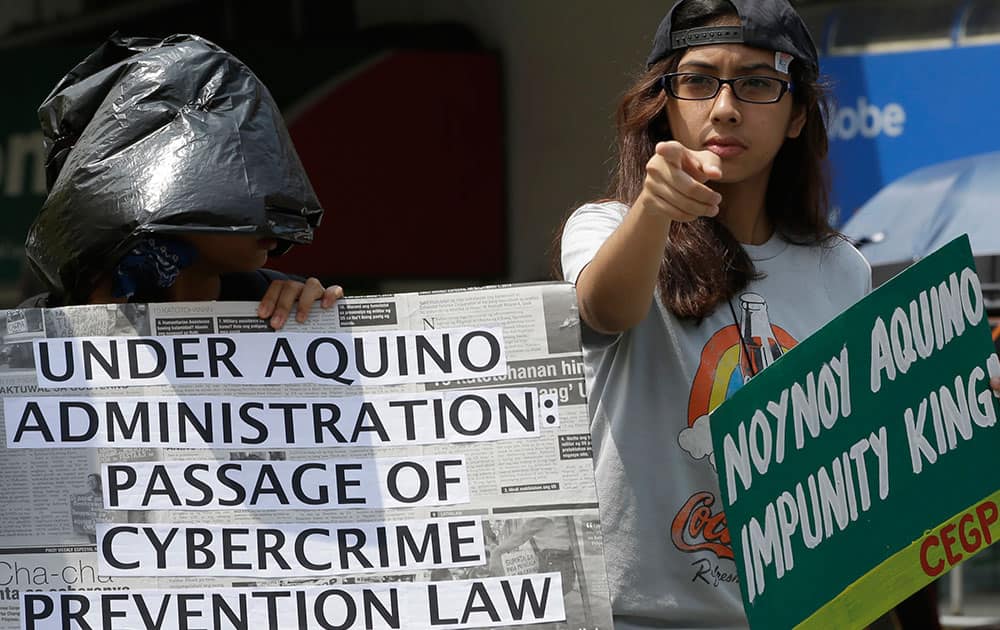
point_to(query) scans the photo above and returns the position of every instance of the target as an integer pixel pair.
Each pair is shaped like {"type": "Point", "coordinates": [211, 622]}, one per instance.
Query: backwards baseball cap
{"type": "Point", "coordinates": [768, 24]}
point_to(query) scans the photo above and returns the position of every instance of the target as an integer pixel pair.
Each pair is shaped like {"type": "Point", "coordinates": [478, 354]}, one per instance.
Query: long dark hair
{"type": "Point", "coordinates": [703, 264]}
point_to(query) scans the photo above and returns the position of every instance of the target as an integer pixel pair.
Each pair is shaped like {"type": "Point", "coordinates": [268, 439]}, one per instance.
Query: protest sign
{"type": "Point", "coordinates": [387, 464]}
{"type": "Point", "coordinates": [859, 467]}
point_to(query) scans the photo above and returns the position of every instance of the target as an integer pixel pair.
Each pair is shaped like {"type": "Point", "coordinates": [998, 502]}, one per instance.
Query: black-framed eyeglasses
{"type": "Point", "coordinates": [693, 86]}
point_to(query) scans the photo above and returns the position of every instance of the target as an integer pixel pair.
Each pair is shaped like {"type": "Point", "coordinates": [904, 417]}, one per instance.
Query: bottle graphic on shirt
{"type": "Point", "coordinates": [758, 346]}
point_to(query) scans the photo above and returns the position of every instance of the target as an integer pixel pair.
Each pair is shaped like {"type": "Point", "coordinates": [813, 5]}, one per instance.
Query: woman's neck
{"type": "Point", "coordinates": [194, 285]}
{"type": "Point", "coordinates": [744, 209]}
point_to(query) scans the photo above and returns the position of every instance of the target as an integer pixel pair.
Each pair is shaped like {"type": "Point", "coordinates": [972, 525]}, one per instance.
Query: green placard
{"type": "Point", "coordinates": [861, 465]}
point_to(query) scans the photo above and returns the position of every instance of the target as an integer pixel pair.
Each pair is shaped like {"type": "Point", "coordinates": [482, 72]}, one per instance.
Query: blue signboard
{"type": "Point", "coordinates": [897, 112]}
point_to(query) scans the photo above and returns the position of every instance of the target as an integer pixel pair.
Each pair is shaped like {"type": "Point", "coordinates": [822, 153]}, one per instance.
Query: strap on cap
{"type": "Point", "coordinates": [707, 35]}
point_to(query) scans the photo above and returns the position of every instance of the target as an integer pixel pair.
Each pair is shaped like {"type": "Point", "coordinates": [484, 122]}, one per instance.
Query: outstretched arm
{"type": "Point", "coordinates": [615, 290]}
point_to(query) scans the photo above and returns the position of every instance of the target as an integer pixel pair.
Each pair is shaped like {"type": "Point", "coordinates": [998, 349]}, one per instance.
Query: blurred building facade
{"type": "Point", "coordinates": [448, 138]}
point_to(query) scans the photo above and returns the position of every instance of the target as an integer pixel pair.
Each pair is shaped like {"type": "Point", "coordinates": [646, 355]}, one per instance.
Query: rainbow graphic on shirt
{"type": "Point", "coordinates": [700, 524]}
{"type": "Point", "coordinates": [719, 373]}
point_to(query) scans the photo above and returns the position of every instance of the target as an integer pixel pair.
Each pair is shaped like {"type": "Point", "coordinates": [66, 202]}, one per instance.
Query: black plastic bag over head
{"type": "Point", "coordinates": [149, 136]}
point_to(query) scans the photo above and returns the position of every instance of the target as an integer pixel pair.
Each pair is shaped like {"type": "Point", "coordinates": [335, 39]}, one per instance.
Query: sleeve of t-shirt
{"type": "Point", "coordinates": [848, 277]}
{"type": "Point", "coordinates": [861, 269]}
{"type": "Point", "coordinates": [584, 233]}
{"type": "Point", "coordinates": [866, 277]}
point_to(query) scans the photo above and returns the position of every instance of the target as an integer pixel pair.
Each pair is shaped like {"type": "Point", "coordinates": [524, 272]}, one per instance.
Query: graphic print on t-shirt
{"type": "Point", "coordinates": [730, 358]}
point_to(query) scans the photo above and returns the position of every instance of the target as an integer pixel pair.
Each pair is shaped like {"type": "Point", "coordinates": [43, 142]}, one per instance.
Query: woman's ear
{"type": "Point", "coordinates": [797, 121]}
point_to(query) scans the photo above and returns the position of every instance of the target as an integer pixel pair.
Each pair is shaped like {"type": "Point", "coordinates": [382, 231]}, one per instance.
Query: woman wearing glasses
{"type": "Point", "coordinates": [713, 255]}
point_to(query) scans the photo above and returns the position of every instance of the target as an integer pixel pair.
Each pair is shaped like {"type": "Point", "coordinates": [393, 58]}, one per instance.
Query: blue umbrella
{"type": "Point", "coordinates": [920, 212]}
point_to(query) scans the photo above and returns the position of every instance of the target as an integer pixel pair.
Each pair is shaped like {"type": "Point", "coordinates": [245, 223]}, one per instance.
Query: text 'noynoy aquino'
{"type": "Point", "coordinates": [382, 358]}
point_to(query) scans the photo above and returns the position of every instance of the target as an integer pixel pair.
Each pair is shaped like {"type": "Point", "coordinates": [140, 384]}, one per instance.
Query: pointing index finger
{"type": "Point", "coordinates": [704, 165]}
{"type": "Point", "coordinates": [701, 165]}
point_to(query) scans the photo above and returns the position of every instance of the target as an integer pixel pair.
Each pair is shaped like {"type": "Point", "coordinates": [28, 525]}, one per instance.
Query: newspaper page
{"type": "Point", "coordinates": [402, 461]}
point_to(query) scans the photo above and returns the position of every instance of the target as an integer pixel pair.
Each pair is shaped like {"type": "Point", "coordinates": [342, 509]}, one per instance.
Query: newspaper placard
{"type": "Point", "coordinates": [400, 461]}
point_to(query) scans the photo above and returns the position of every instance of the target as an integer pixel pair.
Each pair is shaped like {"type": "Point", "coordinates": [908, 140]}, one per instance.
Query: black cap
{"type": "Point", "coordinates": [768, 24]}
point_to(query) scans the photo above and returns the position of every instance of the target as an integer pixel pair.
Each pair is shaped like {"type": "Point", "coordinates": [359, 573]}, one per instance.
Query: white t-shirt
{"type": "Point", "coordinates": [670, 562]}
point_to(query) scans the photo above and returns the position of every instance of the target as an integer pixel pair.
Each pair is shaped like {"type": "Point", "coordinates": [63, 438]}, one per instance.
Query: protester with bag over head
{"type": "Point", "coordinates": [171, 177]}
{"type": "Point", "coordinates": [711, 257]}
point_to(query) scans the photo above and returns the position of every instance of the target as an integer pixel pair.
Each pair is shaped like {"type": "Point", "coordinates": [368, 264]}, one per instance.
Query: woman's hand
{"type": "Point", "coordinates": [277, 302]}
{"type": "Point", "coordinates": [995, 386]}
{"type": "Point", "coordinates": [675, 183]}
{"type": "Point", "coordinates": [615, 290]}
